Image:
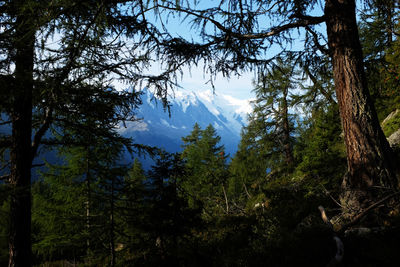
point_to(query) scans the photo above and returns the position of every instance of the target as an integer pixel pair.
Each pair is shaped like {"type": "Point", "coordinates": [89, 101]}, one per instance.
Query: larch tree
{"type": "Point", "coordinates": [273, 100]}
{"type": "Point", "coordinates": [238, 35]}
{"type": "Point", "coordinates": [54, 54]}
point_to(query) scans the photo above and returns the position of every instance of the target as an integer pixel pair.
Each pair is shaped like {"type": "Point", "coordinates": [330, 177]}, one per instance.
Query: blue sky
{"type": "Point", "coordinates": [196, 80]}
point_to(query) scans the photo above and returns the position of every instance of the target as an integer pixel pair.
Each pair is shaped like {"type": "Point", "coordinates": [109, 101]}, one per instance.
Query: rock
{"type": "Point", "coordinates": [394, 139]}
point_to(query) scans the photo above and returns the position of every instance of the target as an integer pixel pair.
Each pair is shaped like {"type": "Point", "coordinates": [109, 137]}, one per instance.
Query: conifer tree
{"type": "Point", "coordinates": [134, 210]}
{"type": "Point", "coordinates": [378, 38]}
{"type": "Point", "coordinates": [266, 146]}
{"type": "Point", "coordinates": [205, 161]}
{"type": "Point", "coordinates": [54, 51]}
{"type": "Point", "coordinates": [75, 203]}
{"type": "Point", "coordinates": [249, 165]}
{"type": "Point", "coordinates": [271, 110]}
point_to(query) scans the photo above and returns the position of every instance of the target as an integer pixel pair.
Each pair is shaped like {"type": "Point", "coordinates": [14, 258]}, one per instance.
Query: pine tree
{"type": "Point", "coordinates": [249, 166]}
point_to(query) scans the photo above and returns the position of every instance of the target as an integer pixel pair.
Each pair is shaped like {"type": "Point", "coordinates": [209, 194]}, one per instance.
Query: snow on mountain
{"type": "Point", "coordinates": [226, 113]}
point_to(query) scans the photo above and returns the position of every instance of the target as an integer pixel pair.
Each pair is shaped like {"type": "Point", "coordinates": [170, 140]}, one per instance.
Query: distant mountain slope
{"type": "Point", "coordinates": [227, 114]}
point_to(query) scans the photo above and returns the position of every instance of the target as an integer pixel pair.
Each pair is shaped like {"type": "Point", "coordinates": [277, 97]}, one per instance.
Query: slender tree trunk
{"type": "Point", "coordinates": [88, 203]}
{"type": "Point", "coordinates": [21, 161]}
{"type": "Point", "coordinates": [368, 153]}
{"type": "Point", "coordinates": [226, 199]}
{"type": "Point", "coordinates": [287, 148]}
{"type": "Point", "coordinates": [112, 237]}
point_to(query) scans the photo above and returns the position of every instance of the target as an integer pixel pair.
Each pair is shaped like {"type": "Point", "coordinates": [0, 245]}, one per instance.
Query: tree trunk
{"type": "Point", "coordinates": [289, 159]}
{"type": "Point", "coordinates": [368, 153]}
{"type": "Point", "coordinates": [88, 205]}
{"type": "Point", "coordinates": [21, 160]}
{"type": "Point", "coordinates": [112, 236]}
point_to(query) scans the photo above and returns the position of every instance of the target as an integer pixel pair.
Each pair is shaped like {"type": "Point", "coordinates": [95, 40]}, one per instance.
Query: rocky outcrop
{"type": "Point", "coordinates": [390, 117]}
{"type": "Point", "coordinates": [394, 139]}
{"type": "Point", "coordinates": [391, 121]}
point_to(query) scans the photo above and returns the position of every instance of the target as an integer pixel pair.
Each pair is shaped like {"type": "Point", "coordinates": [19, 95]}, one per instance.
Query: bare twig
{"type": "Point", "coordinates": [247, 192]}
{"type": "Point", "coordinates": [334, 200]}
{"type": "Point", "coordinates": [38, 165]}
{"type": "Point", "coordinates": [226, 199]}
{"type": "Point", "coordinates": [42, 130]}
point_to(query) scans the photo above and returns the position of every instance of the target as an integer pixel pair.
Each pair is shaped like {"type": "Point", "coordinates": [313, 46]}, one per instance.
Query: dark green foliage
{"type": "Point", "coordinates": [72, 203]}
{"type": "Point", "coordinates": [157, 217]}
{"type": "Point", "coordinates": [205, 162]}
{"type": "Point", "coordinates": [380, 47]}
{"type": "Point", "coordinates": [320, 149]}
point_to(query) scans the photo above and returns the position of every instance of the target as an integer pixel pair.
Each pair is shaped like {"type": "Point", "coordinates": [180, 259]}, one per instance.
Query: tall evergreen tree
{"type": "Point", "coordinates": [271, 109]}
{"type": "Point", "coordinates": [205, 160]}
{"type": "Point", "coordinates": [377, 36]}
{"type": "Point", "coordinates": [74, 205]}
{"type": "Point", "coordinates": [53, 52]}
{"type": "Point", "coordinates": [266, 146]}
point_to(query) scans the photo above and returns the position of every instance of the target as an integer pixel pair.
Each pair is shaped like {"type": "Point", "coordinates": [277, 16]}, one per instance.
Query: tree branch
{"type": "Point", "coordinates": [303, 22]}
{"type": "Point", "coordinates": [5, 142]}
{"type": "Point", "coordinates": [319, 86]}
{"type": "Point", "coordinates": [316, 42]}
{"type": "Point", "coordinates": [4, 177]}
{"type": "Point", "coordinates": [40, 133]}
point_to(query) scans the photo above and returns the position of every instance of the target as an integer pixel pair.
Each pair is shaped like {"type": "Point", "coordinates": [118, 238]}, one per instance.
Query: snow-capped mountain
{"type": "Point", "coordinates": [157, 128]}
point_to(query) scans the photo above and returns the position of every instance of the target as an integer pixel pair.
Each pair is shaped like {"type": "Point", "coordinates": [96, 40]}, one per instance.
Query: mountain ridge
{"type": "Point", "coordinates": [163, 129]}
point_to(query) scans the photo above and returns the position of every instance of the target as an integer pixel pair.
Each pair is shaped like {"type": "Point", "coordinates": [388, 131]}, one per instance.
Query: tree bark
{"type": "Point", "coordinates": [21, 160]}
{"type": "Point", "coordinates": [369, 156]}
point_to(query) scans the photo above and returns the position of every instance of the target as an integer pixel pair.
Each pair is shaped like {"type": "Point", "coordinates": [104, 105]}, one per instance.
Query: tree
{"type": "Point", "coordinates": [156, 217]}
{"type": "Point", "coordinates": [377, 36]}
{"type": "Point", "coordinates": [320, 149]}
{"type": "Point", "coordinates": [75, 203]}
{"type": "Point", "coordinates": [267, 141]}
{"type": "Point", "coordinates": [242, 38]}
{"type": "Point", "coordinates": [43, 81]}
{"type": "Point", "coordinates": [273, 100]}
{"type": "Point", "coordinates": [205, 161]}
